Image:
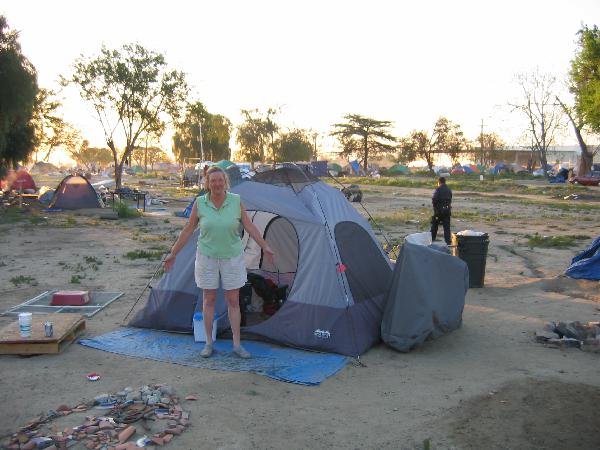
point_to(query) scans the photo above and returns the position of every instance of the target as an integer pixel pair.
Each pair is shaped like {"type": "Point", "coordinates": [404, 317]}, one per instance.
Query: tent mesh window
{"type": "Point", "coordinates": [290, 176]}
{"type": "Point", "coordinates": [367, 271]}
{"type": "Point", "coordinates": [282, 238]}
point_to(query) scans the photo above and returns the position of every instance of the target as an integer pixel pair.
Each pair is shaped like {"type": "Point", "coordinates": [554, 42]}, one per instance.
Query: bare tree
{"type": "Point", "coordinates": [544, 116]}
{"type": "Point", "coordinates": [587, 153]}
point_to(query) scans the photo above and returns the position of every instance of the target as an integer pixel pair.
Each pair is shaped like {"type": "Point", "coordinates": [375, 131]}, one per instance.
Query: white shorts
{"type": "Point", "coordinates": [230, 271]}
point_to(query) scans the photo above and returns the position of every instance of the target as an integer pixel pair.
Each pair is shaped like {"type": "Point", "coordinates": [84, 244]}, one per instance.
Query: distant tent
{"type": "Point", "coordinates": [355, 167]}
{"type": "Point", "coordinates": [498, 168]}
{"type": "Point", "coordinates": [398, 169]}
{"type": "Point", "coordinates": [334, 169]}
{"type": "Point", "coordinates": [319, 168]}
{"type": "Point", "coordinates": [224, 164]}
{"type": "Point", "coordinates": [19, 180]}
{"type": "Point", "coordinates": [43, 167]}
{"type": "Point", "coordinates": [481, 168]}
{"type": "Point", "coordinates": [468, 169]}
{"type": "Point", "coordinates": [516, 168]}
{"type": "Point", "coordinates": [45, 195]}
{"type": "Point", "coordinates": [586, 265]}
{"type": "Point", "coordinates": [75, 192]}
{"type": "Point", "coordinates": [138, 169]}
{"type": "Point", "coordinates": [476, 168]}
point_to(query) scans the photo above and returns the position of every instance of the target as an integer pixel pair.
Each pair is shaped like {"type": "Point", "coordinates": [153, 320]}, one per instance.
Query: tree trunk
{"type": "Point", "coordinates": [118, 166]}
{"type": "Point", "coordinates": [544, 161]}
{"type": "Point", "coordinates": [587, 157]}
{"type": "Point", "coordinates": [366, 151]}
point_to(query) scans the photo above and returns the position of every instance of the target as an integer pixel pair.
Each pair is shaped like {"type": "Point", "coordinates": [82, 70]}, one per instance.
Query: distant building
{"type": "Point", "coordinates": [563, 154]}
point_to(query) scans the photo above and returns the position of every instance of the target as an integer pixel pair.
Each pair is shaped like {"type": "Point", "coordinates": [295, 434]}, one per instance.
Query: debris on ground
{"type": "Point", "coordinates": [129, 419]}
{"type": "Point", "coordinates": [352, 193]}
{"type": "Point", "coordinates": [571, 334]}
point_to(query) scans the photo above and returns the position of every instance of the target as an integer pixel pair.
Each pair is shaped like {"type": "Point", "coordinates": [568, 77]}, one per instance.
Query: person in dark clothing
{"type": "Point", "coordinates": [442, 208]}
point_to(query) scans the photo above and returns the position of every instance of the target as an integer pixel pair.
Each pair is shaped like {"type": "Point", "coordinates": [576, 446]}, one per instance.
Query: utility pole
{"type": "Point", "coordinates": [201, 145]}
{"type": "Point", "coordinates": [315, 155]}
{"type": "Point", "coordinates": [481, 161]}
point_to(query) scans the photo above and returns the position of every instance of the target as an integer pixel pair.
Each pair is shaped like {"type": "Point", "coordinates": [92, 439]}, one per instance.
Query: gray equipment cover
{"type": "Point", "coordinates": [426, 298]}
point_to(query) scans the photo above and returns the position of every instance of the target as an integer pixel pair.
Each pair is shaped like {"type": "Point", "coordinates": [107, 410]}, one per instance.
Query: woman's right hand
{"type": "Point", "coordinates": [169, 262]}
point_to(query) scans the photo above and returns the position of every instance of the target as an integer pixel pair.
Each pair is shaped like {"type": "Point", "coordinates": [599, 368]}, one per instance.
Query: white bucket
{"type": "Point", "coordinates": [25, 320]}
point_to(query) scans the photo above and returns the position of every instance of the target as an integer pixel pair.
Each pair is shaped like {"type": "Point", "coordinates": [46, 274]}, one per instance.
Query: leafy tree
{"type": "Point", "coordinates": [584, 78]}
{"type": "Point", "coordinates": [407, 150]}
{"type": "Point", "coordinates": [148, 156]}
{"type": "Point", "coordinates": [418, 145]}
{"type": "Point", "coordinates": [449, 139]}
{"type": "Point", "coordinates": [490, 148]}
{"type": "Point", "coordinates": [293, 145]}
{"type": "Point", "coordinates": [130, 89]}
{"type": "Point", "coordinates": [544, 116]}
{"type": "Point", "coordinates": [91, 157]}
{"type": "Point", "coordinates": [364, 137]}
{"type": "Point", "coordinates": [446, 138]}
{"type": "Point", "coordinates": [202, 135]}
{"type": "Point", "coordinates": [254, 134]}
{"type": "Point", "coordinates": [51, 130]}
{"type": "Point", "coordinates": [18, 89]}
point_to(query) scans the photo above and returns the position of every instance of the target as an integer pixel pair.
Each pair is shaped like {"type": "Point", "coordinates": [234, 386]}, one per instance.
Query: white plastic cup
{"type": "Point", "coordinates": [25, 320]}
{"type": "Point", "coordinates": [480, 177]}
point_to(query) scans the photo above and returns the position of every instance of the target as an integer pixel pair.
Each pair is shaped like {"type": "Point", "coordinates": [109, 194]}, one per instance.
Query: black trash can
{"type": "Point", "coordinates": [472, 250]}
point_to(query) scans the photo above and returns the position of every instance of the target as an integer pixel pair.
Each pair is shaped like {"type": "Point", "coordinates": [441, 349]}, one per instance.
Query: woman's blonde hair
{"type": "Point", "coordinates": [214, 169]}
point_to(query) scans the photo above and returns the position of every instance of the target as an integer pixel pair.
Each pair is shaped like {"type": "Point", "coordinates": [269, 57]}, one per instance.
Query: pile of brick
{"type": "Point", "coordinates": [156, 408]}
{"type": "Point", "coordinates": [572, 334]}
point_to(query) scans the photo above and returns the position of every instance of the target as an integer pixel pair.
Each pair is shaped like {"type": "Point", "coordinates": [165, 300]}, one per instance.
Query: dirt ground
{"type": "Point", "coordinates": [487, 385]}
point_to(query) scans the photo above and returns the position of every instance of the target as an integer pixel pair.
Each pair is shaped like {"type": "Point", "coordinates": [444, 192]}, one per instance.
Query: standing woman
{"type": "Point", "coordinates": [220, 255]}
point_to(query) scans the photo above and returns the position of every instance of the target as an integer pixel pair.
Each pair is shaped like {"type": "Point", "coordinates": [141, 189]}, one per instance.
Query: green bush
{"type": "Point", "coordinates": [145, 254]}
{"type": "Point", "coordinates": [538, 240]}
{"type": "Point", "coordinates": [125, 212]}
{"type": "Point", "coordinates": [18, 281]}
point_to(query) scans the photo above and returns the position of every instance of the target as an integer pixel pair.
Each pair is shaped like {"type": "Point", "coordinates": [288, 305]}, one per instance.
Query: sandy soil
{"type": "Point", "coordinates": [487, 385]}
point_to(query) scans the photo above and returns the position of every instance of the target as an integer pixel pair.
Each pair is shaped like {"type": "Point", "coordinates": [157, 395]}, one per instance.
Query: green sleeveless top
{"type": "Point", "coordinates": [219, 228]}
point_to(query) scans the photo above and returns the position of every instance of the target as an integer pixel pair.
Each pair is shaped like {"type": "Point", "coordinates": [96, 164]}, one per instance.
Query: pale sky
{"type": "Point", "coordinates": [408, 62]}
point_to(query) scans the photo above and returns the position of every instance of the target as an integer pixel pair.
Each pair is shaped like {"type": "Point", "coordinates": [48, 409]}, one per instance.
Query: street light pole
{"type": "Point", "coordinates": [201, 145]}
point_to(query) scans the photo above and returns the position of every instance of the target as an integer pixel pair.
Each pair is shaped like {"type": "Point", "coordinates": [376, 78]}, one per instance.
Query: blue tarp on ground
{"type": "Point", "coordinates": [586, 265]}
{"type": "Point", "coordinates": [279, 363]}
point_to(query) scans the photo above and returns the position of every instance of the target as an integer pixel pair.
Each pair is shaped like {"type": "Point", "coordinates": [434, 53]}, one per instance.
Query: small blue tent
{"type": "Point", "coordinates": [586, 265]}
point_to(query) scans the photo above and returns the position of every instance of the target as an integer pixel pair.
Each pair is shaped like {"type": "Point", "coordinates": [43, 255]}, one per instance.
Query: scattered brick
{"type": "Point", "coordinates": [158, 441]}
{"type": "Point", "coordinates": [28, 446]}
{"type": "Point", "coordinates": [127, 433]}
